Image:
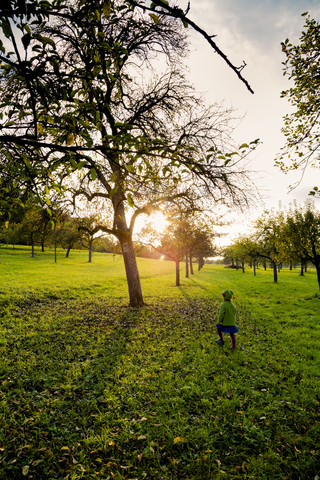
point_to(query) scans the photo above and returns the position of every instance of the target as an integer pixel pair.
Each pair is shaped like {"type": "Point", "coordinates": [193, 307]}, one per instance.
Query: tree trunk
{"type": "Point", "coordinates": [275, 272]}
{"type": "Point", "coordinates": [129, 257]}
{"type": "Point", "coordinates": [302, 269]}
{"type": "Point", "coordinates": [254, 268]}
{"type": "Point", "coordinates": [191, 265]}
{"type": "Point", "coordinates": [317, 265]}
{"type": "Point", "coordinates": [133, 278]}
{"type": "Point", "coordinates": [68, 251]}
{"type": "Point", "coordinates": [90, 252]}
{"type": "Point", "coordinates": [177, 273]}
{"type": "Point", "coordinates": [32, 246]}
{"type": "Point", "coordinates": [242, 267]}
{"type": "Point", "coordinates": [187, 266]}
{"type": "Point", "coordinates": [55, 251]}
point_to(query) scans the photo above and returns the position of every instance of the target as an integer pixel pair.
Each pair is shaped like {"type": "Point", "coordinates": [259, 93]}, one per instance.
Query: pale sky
{"type": "Point", "coordinates": [252, 30]}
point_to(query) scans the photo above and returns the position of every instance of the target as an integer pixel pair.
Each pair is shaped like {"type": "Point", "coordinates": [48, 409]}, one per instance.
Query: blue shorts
{"type": "Point", "coordinates": [227, 329]}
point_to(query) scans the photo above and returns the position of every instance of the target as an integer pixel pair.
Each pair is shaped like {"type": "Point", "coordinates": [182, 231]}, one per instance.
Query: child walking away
{"type": "Point", "coordinates": [227, 319]}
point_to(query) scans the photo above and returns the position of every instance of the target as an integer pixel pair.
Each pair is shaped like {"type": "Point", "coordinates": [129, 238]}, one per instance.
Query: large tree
{"type": "Point", "coordinates": [93, 92]}
{"type": "Point", "coordinates": [302, 126]}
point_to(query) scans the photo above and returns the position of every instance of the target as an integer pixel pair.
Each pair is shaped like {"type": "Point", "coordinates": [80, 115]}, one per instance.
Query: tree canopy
{"type": "Point", "coordinates": [302, 127]}
{"type": "Point", "coordinates": [93, 101]}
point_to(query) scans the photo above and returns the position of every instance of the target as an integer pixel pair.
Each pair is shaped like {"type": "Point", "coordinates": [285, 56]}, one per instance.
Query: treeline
{"type": "Point", "coordinates": [284, 237]}
{"type": "Point", "coordinates": [34, 225]}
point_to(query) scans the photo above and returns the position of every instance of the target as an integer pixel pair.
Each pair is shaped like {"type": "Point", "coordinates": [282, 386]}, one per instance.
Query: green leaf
{"type": "Point", "coordinates": [26, 40]}
{"type": "Point", "coordinates": [185, 23]}
{"type": "Point", "coordinates": [130, 200]}
{"type": "Point", "coordinates": [155, 18]}
{"type": "Point", "coordinates": [106, 8]}
{"type": "Point", "coordinates": [70, 139]}
{"type": "Point", "coordinates": [25, 470]}
{"type": "Point", "coordinates": [93, 174]}
{"type": "Point", "coordinates": [6, 28]}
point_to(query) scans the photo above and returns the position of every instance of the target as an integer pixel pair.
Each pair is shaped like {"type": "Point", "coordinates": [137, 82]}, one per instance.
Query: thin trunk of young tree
{"type": "Point", "coordinates": [177, 273]}
{"type": "Point", "coordinates": [32, 246]}
{"type": "Point", "coordinates": [187, 266]}
{"type": "Point", "coordinates": [191, 264]}
{"type": "Point", "coordinates": [302, 269]}
{"type": "Point", "coordinates": [275, 272]}
{"type": "Point", "coordinates": [317, 265]}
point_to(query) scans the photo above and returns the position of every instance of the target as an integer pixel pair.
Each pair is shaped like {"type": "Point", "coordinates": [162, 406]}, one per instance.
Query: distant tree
{"type": "Point", "coordinates": [245, 249]}
{"type": "Point", "coordinates": [90, 232]}
{"type": "Point", "coordinates": [173, 245]}
{"type": "Point", "coordinates": [29, 228]}
{"type": "Point", "coordinates": [269, 239]}
{"type": "Point", "coordinates": [201, 245]}
{"type": "Point", "coordinates": [303, 230]}
{"type": "Point", "coordinates": [68, 235]}
{"type": "Point", "coordinates": [302, 127]}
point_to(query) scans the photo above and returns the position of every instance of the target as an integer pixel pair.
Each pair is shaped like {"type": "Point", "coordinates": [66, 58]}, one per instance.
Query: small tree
{"type": "Point", "coordinates": [268, 231]}
{"type": "Point", "coordinates": [303, 230]}
{"type": "Point", "coordinates": [90, 232]}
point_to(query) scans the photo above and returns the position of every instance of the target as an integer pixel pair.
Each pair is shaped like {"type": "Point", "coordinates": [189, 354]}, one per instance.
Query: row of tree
{"type": "Point", "coordinates": [184, 238]}
{"type": "Point", "coordinates": [291, 236]}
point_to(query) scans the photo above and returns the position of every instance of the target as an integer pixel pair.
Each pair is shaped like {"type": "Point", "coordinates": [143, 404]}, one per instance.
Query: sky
{"type": "Point", "coordinates": [252, 31]}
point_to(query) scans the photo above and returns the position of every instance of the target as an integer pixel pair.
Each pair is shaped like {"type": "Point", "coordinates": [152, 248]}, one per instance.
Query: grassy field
{"type": "Point", "coordinates": [91, 389]}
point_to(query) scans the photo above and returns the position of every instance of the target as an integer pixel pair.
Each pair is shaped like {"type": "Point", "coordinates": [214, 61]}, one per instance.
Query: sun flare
{"type": "Point", "coordinates": [157, 222]}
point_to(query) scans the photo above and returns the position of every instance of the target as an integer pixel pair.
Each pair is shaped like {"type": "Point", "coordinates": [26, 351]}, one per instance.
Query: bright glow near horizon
{"type": "Point", "coordinates": [157, 221]}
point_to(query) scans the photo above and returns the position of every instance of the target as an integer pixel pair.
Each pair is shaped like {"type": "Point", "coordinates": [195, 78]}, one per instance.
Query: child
{"type": "Point", "coordinates": [227, 319]}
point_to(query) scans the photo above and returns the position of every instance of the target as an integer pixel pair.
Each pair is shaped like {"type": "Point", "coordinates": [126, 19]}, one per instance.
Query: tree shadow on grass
{"type": "Point", "coordinates": [62, 362]}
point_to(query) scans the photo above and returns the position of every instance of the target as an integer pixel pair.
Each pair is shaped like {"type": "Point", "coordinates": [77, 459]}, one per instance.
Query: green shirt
{"type": "Point", "coordinates": [227, 314]}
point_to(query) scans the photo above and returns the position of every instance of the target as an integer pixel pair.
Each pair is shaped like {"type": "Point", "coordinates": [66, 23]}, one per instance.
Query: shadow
{"type": "Point", "coordinates": [64, 359]}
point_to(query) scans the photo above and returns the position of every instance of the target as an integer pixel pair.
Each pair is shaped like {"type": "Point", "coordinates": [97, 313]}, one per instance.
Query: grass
{"type": "Point", "coordinates": [91, 389]}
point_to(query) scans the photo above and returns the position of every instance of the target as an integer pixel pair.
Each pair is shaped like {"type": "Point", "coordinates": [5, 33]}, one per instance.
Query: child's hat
{"type": "Point", "coordinates": [227, 294]}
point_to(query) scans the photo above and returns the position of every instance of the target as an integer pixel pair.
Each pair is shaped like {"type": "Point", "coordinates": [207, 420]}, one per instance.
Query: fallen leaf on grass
{"type": "Point", "coordinates": [178, 440]}
{"type": "Point", "coordinates": [25, 470]}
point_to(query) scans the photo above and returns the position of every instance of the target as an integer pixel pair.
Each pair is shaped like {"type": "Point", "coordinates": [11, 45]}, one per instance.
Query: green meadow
{"type": "Point", "coordinates": [93, 389]}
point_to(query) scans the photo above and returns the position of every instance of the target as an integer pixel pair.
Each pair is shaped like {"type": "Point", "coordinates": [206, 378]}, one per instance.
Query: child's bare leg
{"type": "Point", "coordinates": [220, 335]}
{"type": "Point", "coordinates": [233, 339]}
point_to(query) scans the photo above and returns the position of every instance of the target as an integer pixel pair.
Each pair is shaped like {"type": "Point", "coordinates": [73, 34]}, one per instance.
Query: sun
{"type": "Point", "coordinates": [156, 222]}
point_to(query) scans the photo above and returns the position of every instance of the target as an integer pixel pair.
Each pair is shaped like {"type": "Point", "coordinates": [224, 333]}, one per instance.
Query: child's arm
{"type": "Point", "coordinates": [221, 314]}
